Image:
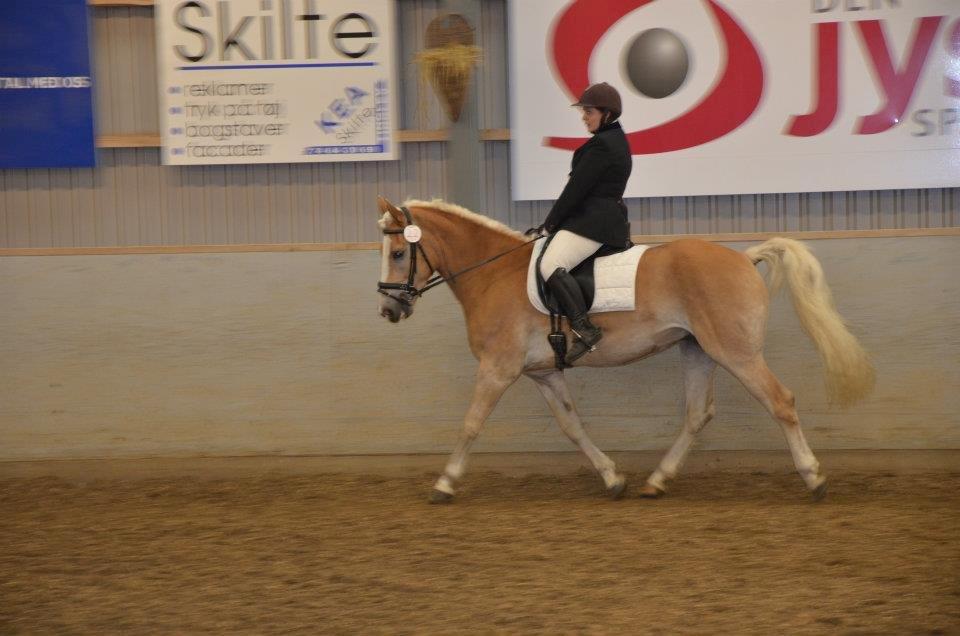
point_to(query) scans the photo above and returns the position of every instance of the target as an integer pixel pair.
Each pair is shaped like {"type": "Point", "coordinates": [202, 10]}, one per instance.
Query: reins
{"type": "Point", "coordinates": [438, 279]}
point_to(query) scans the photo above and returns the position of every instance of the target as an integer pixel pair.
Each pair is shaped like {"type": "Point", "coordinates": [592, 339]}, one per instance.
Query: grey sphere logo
{"type": "Point", "coordinates": [656, 63]}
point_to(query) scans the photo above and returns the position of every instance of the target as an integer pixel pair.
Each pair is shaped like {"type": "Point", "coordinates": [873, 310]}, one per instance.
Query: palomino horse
{"type": "Point", "coordinates": [708, 299]}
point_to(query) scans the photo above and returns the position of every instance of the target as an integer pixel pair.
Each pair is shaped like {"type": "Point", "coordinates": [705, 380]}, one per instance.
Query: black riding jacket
{"type": "Point", "coordinates": [591, 204]}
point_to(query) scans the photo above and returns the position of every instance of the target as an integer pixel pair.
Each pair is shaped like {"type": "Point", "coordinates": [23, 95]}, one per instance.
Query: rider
{"type": "Point", "coordinates": [590, 212]}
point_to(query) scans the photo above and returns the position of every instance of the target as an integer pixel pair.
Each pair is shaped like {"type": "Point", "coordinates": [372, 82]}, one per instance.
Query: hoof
{"type": "Point", "coordinates": [440, 497]}
{"type": "Point", "coordinates": [616, 491]}
{"type": "Point", "coordinates": [820, 492]}
{"type": "Point", "coordinates": [650, 492]}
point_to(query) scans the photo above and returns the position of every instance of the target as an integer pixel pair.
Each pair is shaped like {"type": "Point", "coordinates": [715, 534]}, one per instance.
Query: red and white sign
{"type": "Point", "coordinates": [742, 96]}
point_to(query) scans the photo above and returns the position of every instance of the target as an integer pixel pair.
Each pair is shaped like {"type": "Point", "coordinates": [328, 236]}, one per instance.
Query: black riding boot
{"type": "Point", "coordinates": [567, 292]}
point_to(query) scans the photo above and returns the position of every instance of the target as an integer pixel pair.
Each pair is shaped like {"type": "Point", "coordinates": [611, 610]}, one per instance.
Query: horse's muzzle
{"type": "Point", "coordinates": [396, 308]}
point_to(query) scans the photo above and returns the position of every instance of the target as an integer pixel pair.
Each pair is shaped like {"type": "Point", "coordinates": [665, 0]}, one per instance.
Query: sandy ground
{"type": "Point", "coordinates": [359, 554]}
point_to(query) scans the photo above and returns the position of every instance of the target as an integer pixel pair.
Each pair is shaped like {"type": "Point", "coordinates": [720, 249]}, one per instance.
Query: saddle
{"type": "Point", "coordinates": [585, 275]}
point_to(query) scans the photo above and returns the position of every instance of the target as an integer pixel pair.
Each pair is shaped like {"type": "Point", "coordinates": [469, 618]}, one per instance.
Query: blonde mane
{"type": "Point", "coordinates": [464, 213]}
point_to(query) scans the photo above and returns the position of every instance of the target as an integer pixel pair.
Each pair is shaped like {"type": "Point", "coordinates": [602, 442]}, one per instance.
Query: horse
{"type": "Point", "coordinates": [708, 299]}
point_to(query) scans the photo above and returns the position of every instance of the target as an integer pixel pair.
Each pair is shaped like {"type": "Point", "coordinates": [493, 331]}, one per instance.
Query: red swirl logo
{"type": "Point", "coordinates": [731, 101]}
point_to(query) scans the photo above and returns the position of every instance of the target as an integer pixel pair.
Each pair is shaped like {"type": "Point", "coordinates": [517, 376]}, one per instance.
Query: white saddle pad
{"type": "Point", "coordinates": [615, 278]}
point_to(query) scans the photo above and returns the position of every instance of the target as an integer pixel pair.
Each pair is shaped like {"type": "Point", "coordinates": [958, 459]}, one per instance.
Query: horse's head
{"type": "Point", "coordinates": [404, 268]}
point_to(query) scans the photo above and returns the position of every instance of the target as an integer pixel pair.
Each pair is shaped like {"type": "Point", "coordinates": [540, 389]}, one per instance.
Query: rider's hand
{"type": "Point", "coordinates": [535, 231]}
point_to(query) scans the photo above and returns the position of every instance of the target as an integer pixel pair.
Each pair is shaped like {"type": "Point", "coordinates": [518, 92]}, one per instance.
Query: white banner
{"type": "Point", "coordinates": [276, 81]}
{"type": "Point", "coordinates": [742, 96]}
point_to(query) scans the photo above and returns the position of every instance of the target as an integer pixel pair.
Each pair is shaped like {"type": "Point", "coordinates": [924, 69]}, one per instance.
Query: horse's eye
{"type": "Point", "coordinates": [397, 254]}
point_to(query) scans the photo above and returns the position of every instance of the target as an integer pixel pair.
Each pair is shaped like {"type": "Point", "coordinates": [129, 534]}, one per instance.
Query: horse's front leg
{"type": "Point", "coordinates": [553, 386]}
{"type": "Point", "coordinates": [491, 383]}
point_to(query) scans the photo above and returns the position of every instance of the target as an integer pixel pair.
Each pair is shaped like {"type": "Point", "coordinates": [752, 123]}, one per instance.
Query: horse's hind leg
{"type": "Point", "coordinates": [698, 379]}
{"type": "Point", "coordinates": [779, 401]}
{"type": "Point", "coordinates": [553, 386]}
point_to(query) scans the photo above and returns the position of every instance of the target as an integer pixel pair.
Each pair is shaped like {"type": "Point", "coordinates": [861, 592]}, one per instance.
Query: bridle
{"type": "Point", "coordinates": [408, 290]}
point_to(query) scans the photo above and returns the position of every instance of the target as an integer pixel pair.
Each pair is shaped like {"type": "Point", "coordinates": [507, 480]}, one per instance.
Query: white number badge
{"type": "Point", "coordinates": [412, 233]}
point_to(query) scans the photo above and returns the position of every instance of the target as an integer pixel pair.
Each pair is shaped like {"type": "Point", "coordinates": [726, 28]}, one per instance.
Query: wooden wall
{"type": "Point", "coordinates": [284, 353]}
{"type": "Point", "coordinates": [130, 199]}
{"type": "Point", "coordinates": [174, 354]}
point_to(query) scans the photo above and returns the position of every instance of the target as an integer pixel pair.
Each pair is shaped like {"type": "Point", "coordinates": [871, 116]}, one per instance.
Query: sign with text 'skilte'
{"type": "Point", "coordinates": [742, 96]}
{"type": "Point", "coordinates": [46, 99]}
{"type": "Point", "coordinates": [276, 81]}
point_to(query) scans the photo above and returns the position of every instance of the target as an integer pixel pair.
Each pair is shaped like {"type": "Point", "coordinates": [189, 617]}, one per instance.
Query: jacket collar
{"type": "Point", "coordinates": [614, 124]}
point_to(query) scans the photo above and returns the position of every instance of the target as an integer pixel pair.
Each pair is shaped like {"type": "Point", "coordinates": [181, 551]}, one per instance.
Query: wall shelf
{"type": "Point", "coordinates": [152, 140]}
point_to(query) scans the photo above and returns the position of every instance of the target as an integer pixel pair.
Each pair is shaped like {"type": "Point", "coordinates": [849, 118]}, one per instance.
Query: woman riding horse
{"type": "Point", "coordinates": [590, 212]}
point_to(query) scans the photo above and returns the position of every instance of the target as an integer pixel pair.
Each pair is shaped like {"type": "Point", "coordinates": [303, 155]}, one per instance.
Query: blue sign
{"type": "Point", "coordinates": [46, 92]}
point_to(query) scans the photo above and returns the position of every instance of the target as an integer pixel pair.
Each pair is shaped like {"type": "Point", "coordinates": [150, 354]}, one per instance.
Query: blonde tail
{"type": "Point", "coordinates": [849, 373]}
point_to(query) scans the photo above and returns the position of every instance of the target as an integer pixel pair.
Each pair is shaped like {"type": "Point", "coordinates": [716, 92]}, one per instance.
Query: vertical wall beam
{"type": "Point", "coordinates": [465, 152]}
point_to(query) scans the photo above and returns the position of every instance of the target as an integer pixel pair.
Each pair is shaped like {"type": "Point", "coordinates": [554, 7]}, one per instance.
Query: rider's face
{"type": "Point", "coordinates": [591, 118]}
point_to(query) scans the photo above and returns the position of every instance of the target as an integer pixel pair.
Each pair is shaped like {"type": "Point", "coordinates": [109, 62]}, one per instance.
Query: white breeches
{"type": "Point", "coordinates": [566, 250]}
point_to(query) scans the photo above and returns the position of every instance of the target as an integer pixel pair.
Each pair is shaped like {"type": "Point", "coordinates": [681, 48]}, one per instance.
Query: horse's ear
{"type": "Point", "coordinates": [386, 206]}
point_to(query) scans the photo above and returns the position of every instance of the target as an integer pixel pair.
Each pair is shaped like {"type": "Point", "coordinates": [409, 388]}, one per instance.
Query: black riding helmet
{"type": "Point", "coordinates": [604, 96]}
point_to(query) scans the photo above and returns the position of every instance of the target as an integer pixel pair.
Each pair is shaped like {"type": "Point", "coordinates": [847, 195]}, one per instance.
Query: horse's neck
{"type": "Point", "coordinates": [463, 244]}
